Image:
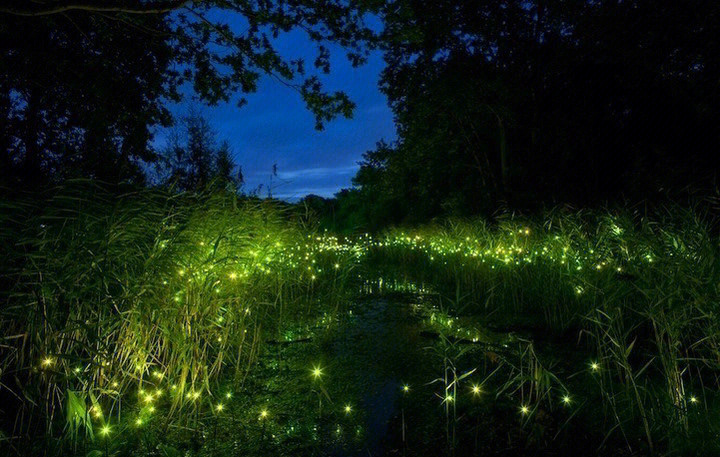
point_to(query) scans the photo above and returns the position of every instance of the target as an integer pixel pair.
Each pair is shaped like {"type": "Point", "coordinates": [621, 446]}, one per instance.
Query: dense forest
{"type": "Point", "coordinates": [529, 268]}
{"type": "Point", "coordinates": [525, 104]}
{"type": "Point", "coordinates": [501, 105]}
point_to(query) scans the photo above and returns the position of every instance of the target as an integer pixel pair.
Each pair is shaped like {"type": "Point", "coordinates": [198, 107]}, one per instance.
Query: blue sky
{"type": "Point", "coordinates": [274, 127]}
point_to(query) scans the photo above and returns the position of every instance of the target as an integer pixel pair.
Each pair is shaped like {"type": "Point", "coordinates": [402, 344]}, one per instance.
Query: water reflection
{"type": "Point", "coordinates": [398, 372]}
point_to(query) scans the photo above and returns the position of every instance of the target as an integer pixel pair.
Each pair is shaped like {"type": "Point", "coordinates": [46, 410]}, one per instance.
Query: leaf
{"type": "Point", "coordinates": [466, 374]}
{"type": "Point", "coordinates": [76, 415]}
{"type": "Point", "coordinates": [630, 348]}
{"type": "Point", "coordinates": [168, 451]}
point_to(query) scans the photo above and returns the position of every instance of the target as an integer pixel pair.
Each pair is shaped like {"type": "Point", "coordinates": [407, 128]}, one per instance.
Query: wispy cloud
{"type": "Point", "coordinates": [297, 194]}
{"type": "Point", "coordinates": [316, 172]}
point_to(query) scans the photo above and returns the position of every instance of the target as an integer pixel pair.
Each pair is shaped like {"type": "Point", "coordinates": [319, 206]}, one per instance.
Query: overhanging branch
{"type": "Point", "coordinates": [30, 8]}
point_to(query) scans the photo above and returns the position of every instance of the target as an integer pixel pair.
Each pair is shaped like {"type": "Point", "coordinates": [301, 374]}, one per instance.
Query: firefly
{"type": "Point", "coordinates": [693, 399]}
{"type": "Point", "coordinates": [524, 410]}
{"type": "Point", "coordinates": [219, 407]}
{"type": "Point", "coordinates": [594, 366]}
{"type": "Point", "coordinates": [47, 361]}
{"type": "Point", "coordinates": [566, 399]}
{"type": "Point", "coordinates": [475, 389]}
{"type": "Point", "coordinates": [317, 372]}
{"type": "Point", "coordinates": [105, 430]}
{"type": "Point", "coordinates": [263, 414]}
{"type": "Point", "coordinates": [193, 395]}
{"type": "Point", "coordinates": [348, 409]}
{"type": "Point", "coordinates": [406, 388]}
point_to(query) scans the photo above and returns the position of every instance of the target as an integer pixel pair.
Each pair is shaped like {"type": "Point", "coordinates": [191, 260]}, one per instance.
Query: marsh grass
{"type": "Point", "coordinates": [108, 291]}
{"type": "Point", "coordinates": [118, 299]}
{"type": "Point", "coordinates": [638, 295]}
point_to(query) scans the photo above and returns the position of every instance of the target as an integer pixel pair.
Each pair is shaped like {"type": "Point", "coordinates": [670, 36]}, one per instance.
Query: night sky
{"type": "Point", "coordinates": [275, 127]}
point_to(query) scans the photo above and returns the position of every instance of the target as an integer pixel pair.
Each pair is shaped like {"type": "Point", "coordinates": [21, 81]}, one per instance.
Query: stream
{"type": "Point", "coordinates": [376, 380]}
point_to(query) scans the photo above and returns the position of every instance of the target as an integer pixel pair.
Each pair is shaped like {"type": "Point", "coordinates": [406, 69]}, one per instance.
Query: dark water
{"type": "Point", "coordinates": [366, 357]}
{"type": "Point", "coordinates": [382, 351]}
{"type": "Point", "coordinates": [383, 358]}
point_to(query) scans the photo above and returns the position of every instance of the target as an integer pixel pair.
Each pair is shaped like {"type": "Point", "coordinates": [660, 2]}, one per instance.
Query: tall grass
{"type": "Point", "coordinates": [112, 298]}
{"type": "Point", "coordinates": [107, 291]}
{"type": "Point", "coordinates": [638, 295]}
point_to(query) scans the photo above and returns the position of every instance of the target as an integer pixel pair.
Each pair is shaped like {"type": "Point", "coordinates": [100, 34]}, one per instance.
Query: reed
{"type": "Point", "coordinates": [124, 298]}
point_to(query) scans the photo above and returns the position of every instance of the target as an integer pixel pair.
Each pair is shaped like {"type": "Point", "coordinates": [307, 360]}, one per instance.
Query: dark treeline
{"type": "Point", "coordinates": [501, 103]}
{"type": "Point", "coordinates": [85, 85]}
{"type": "Point", "coordinates": [526, 103]}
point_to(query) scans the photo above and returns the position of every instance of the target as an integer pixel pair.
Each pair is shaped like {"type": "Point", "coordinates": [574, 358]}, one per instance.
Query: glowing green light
{"type": "Point", "coordinates": [317, 372]}
{"type": "Point", "coordinates": [193, 395]}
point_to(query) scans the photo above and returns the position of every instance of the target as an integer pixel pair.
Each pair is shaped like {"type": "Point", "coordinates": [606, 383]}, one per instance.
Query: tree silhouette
{"type": "Point", "coordinates": [84, 83]}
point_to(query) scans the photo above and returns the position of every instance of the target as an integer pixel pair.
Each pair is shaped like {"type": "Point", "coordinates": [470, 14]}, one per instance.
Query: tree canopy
{"type": "Point", "coordinates": [521, 103]}
{"type": "Point", "coordinates": [84, 83]}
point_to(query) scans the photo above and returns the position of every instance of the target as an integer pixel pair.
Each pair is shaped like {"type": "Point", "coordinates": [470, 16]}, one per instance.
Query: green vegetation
{"type": "Point", "coordinates": [142, 321]}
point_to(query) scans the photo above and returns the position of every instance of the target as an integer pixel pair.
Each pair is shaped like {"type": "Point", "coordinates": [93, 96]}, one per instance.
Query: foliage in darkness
{"type": "Point", "coordinates": [524, 103]}
{"type": "Point", "coordinates": [83, 84]}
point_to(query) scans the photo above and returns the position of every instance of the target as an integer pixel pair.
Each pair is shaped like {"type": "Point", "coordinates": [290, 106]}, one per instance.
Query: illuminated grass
{"type": "Point", "coordinates": [163, 294]}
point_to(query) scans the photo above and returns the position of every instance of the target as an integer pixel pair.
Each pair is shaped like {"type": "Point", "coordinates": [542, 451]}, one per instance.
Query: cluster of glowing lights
{"type": "Point", "coordinates": [316, 257]}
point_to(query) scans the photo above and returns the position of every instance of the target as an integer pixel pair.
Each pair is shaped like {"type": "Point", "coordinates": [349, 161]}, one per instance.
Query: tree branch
{"type": "Point", "coordinates": [28, 8]}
